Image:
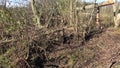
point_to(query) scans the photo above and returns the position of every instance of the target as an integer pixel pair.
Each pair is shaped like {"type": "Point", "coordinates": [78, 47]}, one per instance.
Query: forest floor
{"type": "Point", "coordinates": [41, 51]}
{"type": "Point", "coordinates": [105, 50]}
{"type": "Point", "coordinates": [101, 51]}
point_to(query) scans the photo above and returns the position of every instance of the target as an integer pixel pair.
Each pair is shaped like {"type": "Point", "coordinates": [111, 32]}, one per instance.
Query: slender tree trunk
{"type": "Point", "coordinates": [75, 16]}
{"type": "Point", "coordinates": [34, 9]}
{"type": "Point", "coordinates": [71, 14]}
{"type": "Point", "coordinates": [5, 1]}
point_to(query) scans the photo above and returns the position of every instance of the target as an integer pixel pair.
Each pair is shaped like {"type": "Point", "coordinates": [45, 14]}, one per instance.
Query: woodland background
{"type": "Point", "coordinates": [50, 34]}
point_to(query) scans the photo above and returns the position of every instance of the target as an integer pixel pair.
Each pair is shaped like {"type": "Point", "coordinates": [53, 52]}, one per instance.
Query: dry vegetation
{"type": "Point", "coordinates": [53, 34]}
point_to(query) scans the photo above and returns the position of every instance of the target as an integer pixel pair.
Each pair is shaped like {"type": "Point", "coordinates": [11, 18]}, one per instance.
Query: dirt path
{"type": "Point", "coordinates": [99, 52]}
{"type": "Point", "coordinates": [109, 49]}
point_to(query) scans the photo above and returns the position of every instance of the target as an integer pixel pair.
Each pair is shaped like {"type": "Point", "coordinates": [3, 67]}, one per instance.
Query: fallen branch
{"type": "Point", "coordinates": [7, 41]}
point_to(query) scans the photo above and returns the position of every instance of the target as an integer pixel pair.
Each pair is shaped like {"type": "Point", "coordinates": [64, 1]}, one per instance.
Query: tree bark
{"type": "Point", "coordinates": [76, 16]}
{"type": "Point", "coordinates": [71, 14]}
{"type": "Point", "coordinates": [35, 12]}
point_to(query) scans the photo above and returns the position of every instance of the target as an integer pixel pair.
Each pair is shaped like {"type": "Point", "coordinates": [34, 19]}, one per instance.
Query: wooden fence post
{"type": "Point", "coordinates": [97, 17]}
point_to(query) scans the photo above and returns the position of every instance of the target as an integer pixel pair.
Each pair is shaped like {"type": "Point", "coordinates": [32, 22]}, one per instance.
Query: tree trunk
{"type": "Point", "coordinates": [34, 9]}
{"type": "Point", "coordinates": [71, 14]}
{"type": "Point", "coordinates": [75, 16]}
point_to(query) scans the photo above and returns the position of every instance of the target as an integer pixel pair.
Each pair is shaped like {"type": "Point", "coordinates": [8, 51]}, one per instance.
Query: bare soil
{"type": "Point", "coordinates": [56, 50]}
{"type": "Point", "coordinates": [101, 51]}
